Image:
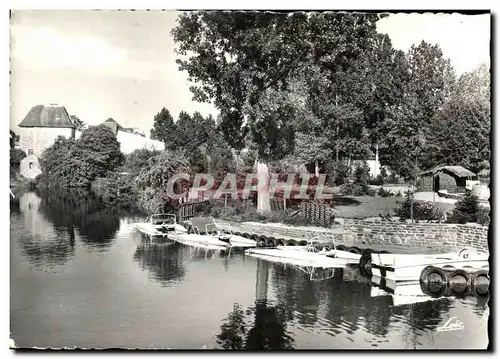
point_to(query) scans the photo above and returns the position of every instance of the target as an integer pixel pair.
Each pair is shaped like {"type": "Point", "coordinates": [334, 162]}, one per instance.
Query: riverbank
{"type": "Point", "coordinates": [373, 233]}
{"type": "Point", "coordinates": [20, 185]}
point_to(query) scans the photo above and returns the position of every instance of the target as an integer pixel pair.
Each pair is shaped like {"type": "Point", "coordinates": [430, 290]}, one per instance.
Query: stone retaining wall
{"type": "Point", "coordinates": [416, 235]}
{"type": "Point", "coordinates": [379, 234]}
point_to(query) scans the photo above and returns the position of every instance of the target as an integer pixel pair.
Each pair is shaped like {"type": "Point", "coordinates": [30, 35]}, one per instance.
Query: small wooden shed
{"type": "Point", "coordinates": [448, 178]}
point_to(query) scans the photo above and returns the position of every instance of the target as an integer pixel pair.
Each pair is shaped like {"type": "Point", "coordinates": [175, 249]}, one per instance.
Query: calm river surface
{"type": "Point", "coordinates": [82, 277]}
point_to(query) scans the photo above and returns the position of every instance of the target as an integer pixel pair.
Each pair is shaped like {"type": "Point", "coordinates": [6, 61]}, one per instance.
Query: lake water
{"type": "Point", "coordinates": [82, 277]}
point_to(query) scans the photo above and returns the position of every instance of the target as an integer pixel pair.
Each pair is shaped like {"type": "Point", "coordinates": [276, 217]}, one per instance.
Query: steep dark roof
{"type": "Point", "coordinates": [47, 116]}
{"type": "Point", "coordinates": [458, 171]}
{"type": "Point", "coordinates": [112, 121]}
{"type": "Point", "coordinates": [115, 126]}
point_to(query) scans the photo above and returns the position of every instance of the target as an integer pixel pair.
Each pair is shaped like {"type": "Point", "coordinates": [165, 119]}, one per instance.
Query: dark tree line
{"type": "Point", "coordinates": [327, 88]}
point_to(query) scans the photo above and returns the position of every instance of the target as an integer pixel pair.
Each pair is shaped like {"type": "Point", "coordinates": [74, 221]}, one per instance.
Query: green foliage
{"type": "Point", "coordinates": [255, 65]}
{"type": "Point", "coordinates": [116, 190]}
{"type": "Point", "coordinates": [461, 133]}
{"type": "Point", "coordinates": [326, 87]}
{"type": "Point", "coordinates": [75, 164]}
{"type": "Point", "coordinates": [16, 156]}
{"type": "Point", "coordinates": [431, 77]}
{"type": "Point", "coordinates": [237, 212]}
{"type": "Point", "coordinates": [99, 149]}
{"type": "Point", "coordinates": [164, 128]}
{"type": "Point", "coordinates": [192, 131]}
{"type": "Point", "coordinates": [467, 209]}
{"type": "Point", "coordinates": [422, 211]}
{"type": "Point", "coordinates": [152, 181]}
{"type": "Point", "coordinates": [383, 193]}
{"type": "Point", "coordinates": [361, 174]}
{"type": "Point", "coordinates": [377, 181]}
{"type": "Point", "coordinates": [248, 159]}
{"type": "Point", "coordinates": [13, 139]}
{"type": "Point", "coordinates": [386, 216]}
{"type": "Point", "coordinates": [358, 186]}
{"type": "Point", "coordinates": [138, 160]}
{"type": "Point", "coordinates": [198, 160]}
{"type": "Point", "coordinates": [342, 172]}
{"type": "Point", "coordinates": [79, 124]}
{"type": "Point", "coordinates": [220, 156]}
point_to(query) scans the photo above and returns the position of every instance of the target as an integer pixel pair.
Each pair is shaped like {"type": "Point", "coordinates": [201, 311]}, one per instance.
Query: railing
{"type": "Point", "coordinates": [190, 209]}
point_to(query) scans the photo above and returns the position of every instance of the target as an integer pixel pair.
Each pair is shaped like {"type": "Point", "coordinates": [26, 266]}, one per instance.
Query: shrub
{"type": "Point", "coordinates": [342, 173]}
{"type": "Point", "coordinates": [16, 156]}
{"type": "Point", "coordinates": [116, 190]}
{"type": "Point", "coordinates": [347, 189]}
{"type": "Point", "coordinates": [359, 190]}
{"type": "Point", "coordinates": [384, 193]}
{"type": "Point", "coordinates": [386, 216]}
{"type": "Point", "coordinates": [483, 217]}
{"type": "Point", "coordinates": [76, 164]}
{"type": "Point", "coordinates": [392, 178]}
{"type": "Point", "coordinates": [370, 191]}
{"type": "Point", "coordinates": [152, 181]}
{"type": "Point", "coordinates": [362, 174]}
{"type": "Point", "coordinates": [467, 209]}
{"type": "Point", "coordinates": [377, 181]}
{"type": "Point", "coordinates": [138, 160]}
{"type": "Point", "coordinates": [422, 211]}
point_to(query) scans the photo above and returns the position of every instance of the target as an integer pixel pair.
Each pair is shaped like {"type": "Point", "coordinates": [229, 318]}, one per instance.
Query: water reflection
{"type": "Point", "coordinates": [339, 305]}
{"type": "Point", "coordinates": [261, 327]}
{"type": "Point", "coordinates": [15, 205]}
{"type": "Point", "coordinates": [286, 310]}
{"type": "Point", "coordinates": [43, 244]}
{"type": "Point", "coordinates": [164, 260]}
{"type": "Point", "coordinates": [82, 211]}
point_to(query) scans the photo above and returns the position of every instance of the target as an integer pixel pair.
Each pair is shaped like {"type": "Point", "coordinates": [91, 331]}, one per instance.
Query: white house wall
{"type": "Point", "coordinates": [130, 142]}
{"type": "Point", "coordinates": [38, 139]}
{"type": "Point", "coordinates": [29, 167]}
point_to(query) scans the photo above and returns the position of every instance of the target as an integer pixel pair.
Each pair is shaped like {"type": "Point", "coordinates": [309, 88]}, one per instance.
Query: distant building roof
{"type": "Point", "coordinates": [115, 127]}
{"type": "Point", "coordinates": [47, 116]}
{"type": "Point", "coordinates": [458, 171]}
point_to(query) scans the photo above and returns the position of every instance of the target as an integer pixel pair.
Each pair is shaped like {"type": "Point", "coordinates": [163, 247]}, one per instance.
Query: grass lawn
{"type": "Point", "coordinates": [365, 206]}
{"type": "Point", "coordinates": [362, 207]}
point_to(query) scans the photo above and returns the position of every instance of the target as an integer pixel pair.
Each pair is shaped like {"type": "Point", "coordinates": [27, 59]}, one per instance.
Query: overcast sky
{"type": "Point", "coordinates": [121, 64]}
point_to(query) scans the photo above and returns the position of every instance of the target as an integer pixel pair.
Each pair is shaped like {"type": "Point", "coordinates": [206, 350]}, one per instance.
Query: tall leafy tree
{"type": "Point", "coordinates": [244, 63]}
{"type": "Point", "coordinates": [164, 127]}
{"type": "Point", "coordinates": [152, 181]}
{"type": "Point", "coordinates": [474, 85]}
{"type": "Point", "coordinates": [404, 139]}
{"type": "Point", "coordinates": [100, 150]}
{"type": "Point", "coordinates": [192, 131]}
{"type": "Point", "coordinates": [460, 130]}
{"type": "Point", "coordinates": [431, 77]}
{"type": "Point", "coordinates": [406, 131]}
{"type": "Point", "coordinates": [461, 134]}
{"type": "Point", "coordinates": [72, 163]}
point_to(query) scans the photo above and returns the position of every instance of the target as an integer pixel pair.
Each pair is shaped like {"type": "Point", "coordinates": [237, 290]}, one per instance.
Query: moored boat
{"type": "Point", "coordinates": [160, 225]}
{"type": "Point", "coordinates": [322, 247]}
{"type": "Point", "coordinates": [204, 230]}
{"type": "Point", "coordinates": [297, 257]}
{"type": "Point", "coordinates": [409, 267]}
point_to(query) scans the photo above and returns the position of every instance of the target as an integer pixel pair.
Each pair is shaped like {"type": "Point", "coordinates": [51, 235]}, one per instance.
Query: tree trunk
{"type": "Point", "coordinates": [263, 199]}
{"type": "Point", "coordinates": [411, 208]}
{"type": "Point", "coordinates": [316, 168]}
{"type": "Point", "coordinates": [336, 141]}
